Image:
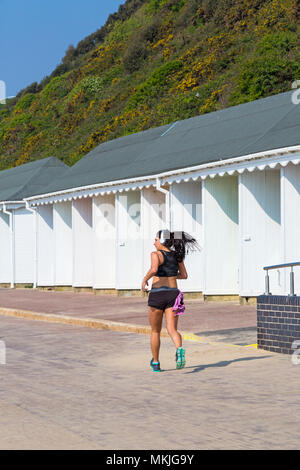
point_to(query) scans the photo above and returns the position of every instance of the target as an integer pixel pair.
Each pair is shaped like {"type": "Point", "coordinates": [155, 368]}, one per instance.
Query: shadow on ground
{"type": "Point", "coordinates": [201, 367]}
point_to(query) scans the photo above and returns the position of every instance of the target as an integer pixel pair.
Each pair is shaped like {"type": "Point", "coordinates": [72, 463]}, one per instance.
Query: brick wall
{"type": "Point", "coordinates": [278, 322]}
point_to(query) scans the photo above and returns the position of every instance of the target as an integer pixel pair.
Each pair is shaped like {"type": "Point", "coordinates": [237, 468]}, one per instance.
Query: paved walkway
{"type": "Point", "coordinates": [81, 388]}
{"type": "Point", "coordinates": [214, 321]}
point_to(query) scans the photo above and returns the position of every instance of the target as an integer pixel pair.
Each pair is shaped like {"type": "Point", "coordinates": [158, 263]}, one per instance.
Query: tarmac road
{"type": "Point", "coordinates": [67, 387]}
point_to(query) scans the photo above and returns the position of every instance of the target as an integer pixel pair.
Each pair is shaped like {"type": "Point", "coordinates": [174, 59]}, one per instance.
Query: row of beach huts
{"type": "Point", "coordinates": [230, 178]}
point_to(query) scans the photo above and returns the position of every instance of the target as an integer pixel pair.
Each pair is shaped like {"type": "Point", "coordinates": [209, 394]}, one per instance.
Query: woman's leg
{"type": "Point", "coordinates": [171, 323]}
{"type": "Point", "coordinates": [155, 318]}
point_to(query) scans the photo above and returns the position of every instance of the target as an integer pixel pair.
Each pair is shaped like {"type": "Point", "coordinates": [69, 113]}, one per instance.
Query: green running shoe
{"type": "Point", "coordinates": [180, 358]}
{"type": "Point", "coordinates": [155, 366]}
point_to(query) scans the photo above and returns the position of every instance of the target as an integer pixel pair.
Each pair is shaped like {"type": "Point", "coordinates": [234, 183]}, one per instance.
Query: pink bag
{"type": "Point", "coordinates": [179, 304]}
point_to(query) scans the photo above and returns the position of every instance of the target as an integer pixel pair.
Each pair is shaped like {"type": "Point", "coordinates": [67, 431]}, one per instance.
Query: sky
{"type": "Point", "coordinates": [35, 34]}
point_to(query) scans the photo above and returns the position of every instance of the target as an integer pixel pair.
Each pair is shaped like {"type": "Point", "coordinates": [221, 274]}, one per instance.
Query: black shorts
{"type": "Point", "coordinates": [162, 297]}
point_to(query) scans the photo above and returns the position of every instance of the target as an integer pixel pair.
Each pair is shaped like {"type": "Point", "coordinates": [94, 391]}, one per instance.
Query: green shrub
{"type": "Point", "coordinates": [176, 5]}
{"type": "Point", "coordinates": [182, 106]}
{"type": "Point", "coordinates": [155, 85]}
{"type": "Point", "coordinates": [32, 88]}
{"type": "Point", "coordinates": [122, 30]}
{"type": "Point", "coordinates": [171, 5]}
{"type": "Point", "coordinates": [155, 5]}
{"type": "Point", "coordinates": [149, 32]}
{"type": "Point", "coordinates": [56, 88]}
{"type": "Point", "coordinates": [263, 76]}
{"type": "Point", "coordinates": [270, 69]}
{"type": "Point", "coordinates": [3, 112]}
{"type": "Point", "coordinates": [134, 56]}
{"type": "Point", "coordinates": [114, 72]}
{"type": "Point", "coordinates": [70, 55]}
{"type": "Point", "coordinates": [280, 42]}
{"type": "Point", "coordinates": [229, 12]}
{"type": "Point", "coordinates": [25, 101]}
{"type": "Point", "coordinates": [20, 120]}
{"type": "Point", "coordinates": [91, 85]}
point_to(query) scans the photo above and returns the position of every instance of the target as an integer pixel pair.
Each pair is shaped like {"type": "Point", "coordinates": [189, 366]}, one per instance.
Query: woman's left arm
{"type": "Point", "coordinates": [152, 271]}
{"type": "Point", "coordinates": [182, 271]}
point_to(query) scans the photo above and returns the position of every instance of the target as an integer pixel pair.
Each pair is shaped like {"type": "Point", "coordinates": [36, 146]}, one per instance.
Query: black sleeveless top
{"type": "Point", "coordinates": [169, 267]}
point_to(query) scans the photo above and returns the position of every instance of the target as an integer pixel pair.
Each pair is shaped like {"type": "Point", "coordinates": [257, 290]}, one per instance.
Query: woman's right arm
{"type": "Point", "coordinates": [152, 271]}
{"type": "Point", "coordinates": [182, 271]}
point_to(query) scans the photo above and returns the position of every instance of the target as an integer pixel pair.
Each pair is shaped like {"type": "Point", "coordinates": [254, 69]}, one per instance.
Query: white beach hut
{"type": "Point", "coordinates": [26, 233]}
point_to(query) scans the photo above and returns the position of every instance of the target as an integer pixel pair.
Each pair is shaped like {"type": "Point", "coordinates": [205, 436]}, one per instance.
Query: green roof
{"type": "Point", "coordinates": [256, 126]}
{"type": "Point", "coordinates": [30, 179]}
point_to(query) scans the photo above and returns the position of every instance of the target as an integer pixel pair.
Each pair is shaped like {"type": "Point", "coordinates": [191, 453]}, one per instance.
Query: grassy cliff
{"type": "Point", "coordinates": [152, 63]}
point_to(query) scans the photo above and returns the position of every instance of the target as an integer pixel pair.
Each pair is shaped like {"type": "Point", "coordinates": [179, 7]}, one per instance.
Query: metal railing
{"type": "Point", "coordinates": [286, 265]}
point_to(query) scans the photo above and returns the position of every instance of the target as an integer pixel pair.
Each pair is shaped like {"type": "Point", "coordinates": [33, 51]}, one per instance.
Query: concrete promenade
{"type": "Point", "coordinates": [67, 387]}
{"type": "Point", "coordinates": [219, 321]}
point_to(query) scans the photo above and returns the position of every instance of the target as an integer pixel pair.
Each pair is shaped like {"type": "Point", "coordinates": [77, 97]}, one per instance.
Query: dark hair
{"type": "Point", "coordinates": [178, 241]}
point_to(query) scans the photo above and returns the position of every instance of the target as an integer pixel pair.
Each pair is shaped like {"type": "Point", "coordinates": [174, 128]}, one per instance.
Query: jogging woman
{"type": "Point", "coordinates": [167, 266]}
